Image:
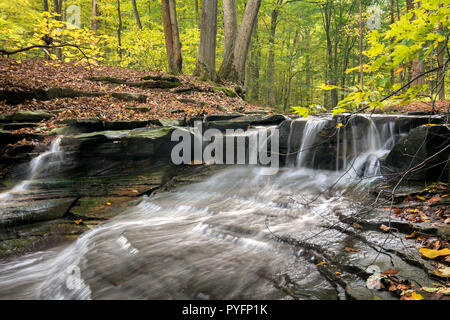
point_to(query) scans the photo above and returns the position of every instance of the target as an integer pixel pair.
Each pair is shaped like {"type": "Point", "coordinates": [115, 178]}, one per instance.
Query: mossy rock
{"type": "Point", "coordinates": [26, 116]}
{"type": "Point", "coordinates": [229, 92]}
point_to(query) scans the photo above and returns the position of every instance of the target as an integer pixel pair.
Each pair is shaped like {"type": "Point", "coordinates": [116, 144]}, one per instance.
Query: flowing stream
{"type": "Point", "coordinates": [209, 240]}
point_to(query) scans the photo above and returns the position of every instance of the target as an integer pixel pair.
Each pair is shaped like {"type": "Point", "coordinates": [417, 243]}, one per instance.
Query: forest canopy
{"type": "Point", "coordinates": [307, 56]}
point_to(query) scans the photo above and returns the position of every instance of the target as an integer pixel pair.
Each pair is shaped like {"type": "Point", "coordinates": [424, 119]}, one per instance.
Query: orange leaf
{"type": "Point", "coordinates": [434, 199]}
{"type": "Point", "coordinates": [390, 272]}
{"type": "Point", "coordinates": [411, 236]}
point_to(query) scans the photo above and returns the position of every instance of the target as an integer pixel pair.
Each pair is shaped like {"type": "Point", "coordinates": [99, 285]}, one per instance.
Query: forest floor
{"type": "Point", "coordinates": [190, 98]}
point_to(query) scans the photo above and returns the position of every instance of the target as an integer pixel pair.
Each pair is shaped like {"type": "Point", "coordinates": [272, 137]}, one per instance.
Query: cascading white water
{"type": "Point", "coordinates": [312, 128]}
{"type": "Point", "coordinates": [288, 154]}
{"type": "Point", "coordinates": [43, 163]}
{"type": "Point", "coordinates": [367, 152]}
{"type": "Point", "coordinates": [367, 146]}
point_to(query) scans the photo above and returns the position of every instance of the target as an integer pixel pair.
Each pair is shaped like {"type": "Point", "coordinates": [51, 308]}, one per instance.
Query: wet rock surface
{"type": "Point", "coordinates": [107, 174]}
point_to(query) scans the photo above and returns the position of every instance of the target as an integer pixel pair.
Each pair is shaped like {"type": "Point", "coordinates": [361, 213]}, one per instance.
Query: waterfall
{"type": "Point", "coordinates": [39, 166]}
{"type": "Point", "coordinates": [312, 128]}
{"type": "Point", "coordinates": [289, 142]}
{"type": "Point", "coordinates": [337, 148]}
{"type": "Point", "coordinates": [367, 145]}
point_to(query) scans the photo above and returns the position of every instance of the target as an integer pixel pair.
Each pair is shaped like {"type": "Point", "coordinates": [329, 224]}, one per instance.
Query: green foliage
{"type": "Point", "coordinates": [416, 35]}
{"type": "Point", "coordinates": [316, 46]}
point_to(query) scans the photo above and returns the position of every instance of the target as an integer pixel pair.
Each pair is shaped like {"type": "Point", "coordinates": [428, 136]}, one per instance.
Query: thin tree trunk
{"type": "Point", "coordinates": [271, 58]}
{"type": "Point", "coordinates": [119, 30]}
{"type": "Point", "coordinates": [392, 21]}
{"type": "Point", "coordinates": [418, 67]}
{"type": "Point", "coordinates": [94, 16]}
{"type": "Point", "coordinates": [46, 55]}
{"type": "Point", "coordinates": [255, 65]}
{"type": "Point", "coordinates": [57, 4]}
{"type": "Point", "coordinates": [234, 69]}
{"type": "Point", "coordinates": [176, 36]}
{"type": "Point", "coordinates": [361, 73]}
{"type": "Point", "coordinates": [441, 73]}
{"type": "Point", "coordinates": [307, 66]}
{"type": "Point", "coordinates": [197, 13]}
{"type": "Point", "coordinates": [136, 14]}
{"type": "Point", "coordinates": [206, 61]}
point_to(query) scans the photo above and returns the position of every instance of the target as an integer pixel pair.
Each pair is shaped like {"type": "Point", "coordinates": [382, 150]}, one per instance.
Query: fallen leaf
{"type": "Point", "coordinates": [436, 296]}
{"type": "Point", "coordinates": [351, 249]}
{"type": "Point", "coordinates": [108, 203]}
{"type": "Point", "coordinates": [432, 253]}
{"type": "Point", "coordinates": [411, 236]}
{"type": "Point", "coordinates": [416, 296]}
{"type": "Point", "coordinates": [443, 272]}
{"type": "Point", "coordinates": [420, 198]}
{"type": "Point", "coordinates": [385, 228]}
{"type": "Point", "coordinates": [390, 272]}
{"type": "Point", "coordinates": [321, 263]}
{"type": "Point", "coordinates": [434, 199]}
{"type": "Point", "coordinates": [78, 221]}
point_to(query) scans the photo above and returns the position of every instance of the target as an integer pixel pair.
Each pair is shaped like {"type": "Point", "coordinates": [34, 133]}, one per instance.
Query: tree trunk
{"type": "Point", "coordinates": [206, 61]}
{"type": "Point", "coordinates": [418, 67]}
{"type": "Point", "coordinates": [57, 5]}
{"type": "Point", "coordinates": [46, 55]}
{"type": "Point", "coordinates": [230, 29]}
{"type": "Point", "coordinates": [197, 14]}
{"type": "Point", "coordinates": [255, 65]}
{"type": "Point", "coordinates": [171, 35]}
{"type": "Point", "coordinates": [119, 30]}
{"type": "Point", "coordinates": [136, 14]}
{"type": "Point", "coordinates": [234, 68]}
{"type": "Point", "coordinates": [307, 66]}
{"type": "Point", "coordinates": [392, 21]}
{"type": "Point", "coordinates": [441, 73]}
{"type": "Point", "coordinates": [271, 58]}
{"type": "Point", "coordinates": [361, 73]}
{"type": "Point", "coordinates": [94, 16]}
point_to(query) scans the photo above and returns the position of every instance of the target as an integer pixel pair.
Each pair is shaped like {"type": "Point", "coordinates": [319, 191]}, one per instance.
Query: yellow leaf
{"type": "Point", "coordinates": [420, 198]}
{"type": "Point", "coordinates": [108, 203]}
{"type": "Point", "coordinates": [443, 272]}
{"type": "Point", "coordinates": [321, 263]}
{"type": "Point", "coordinates": [416, 296]}
{"type": "Point", "coordinates": [431, 253]}
{"type": "Point", "coordinates": [338, 125]}
{"type": "Point", "coordinates": [78, 221]}
{"type": "Point", "coordinates": [410, 236]}
{"type": "Point", "coordinates": [327, 86]}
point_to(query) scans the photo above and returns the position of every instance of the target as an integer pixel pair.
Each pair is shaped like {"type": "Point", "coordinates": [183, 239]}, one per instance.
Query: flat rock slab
{"type": "Point", "coordinates": [244, 122]}
{"type": "Point", "coordinates": [26, 116]}
{"type": "Point", "coordinates": [19, 213]}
